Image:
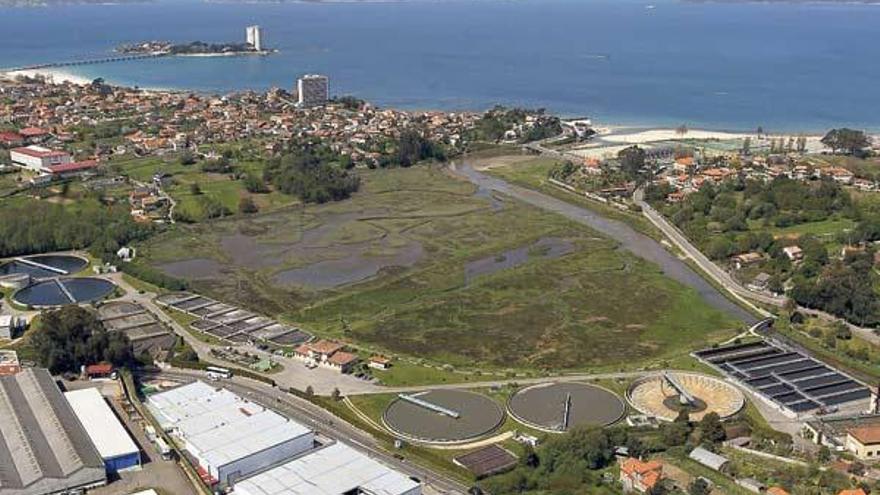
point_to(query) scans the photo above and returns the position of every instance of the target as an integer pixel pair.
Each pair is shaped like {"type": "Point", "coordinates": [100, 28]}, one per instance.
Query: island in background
{"type": "Point", "coordinates": [253, 45]}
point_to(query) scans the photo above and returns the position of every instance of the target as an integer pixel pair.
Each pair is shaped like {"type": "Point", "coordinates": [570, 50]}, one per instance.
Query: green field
{"type": "Point", "coordinates": [595, 307]}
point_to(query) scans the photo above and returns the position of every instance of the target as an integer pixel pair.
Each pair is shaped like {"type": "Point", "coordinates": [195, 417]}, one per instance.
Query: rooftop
{"type": "Point", "coordinates": [103, 427]}
{"type": "Point", "coordinates": [38, 151]}
{"type": "Point", "coordinates": [866, 435]}
{"type": "Point", "coordinates": [334, 470]}
{"type": "Point", "coordinates": [43, 447]}
{"type": "Point", "coordinates": [222, 426]}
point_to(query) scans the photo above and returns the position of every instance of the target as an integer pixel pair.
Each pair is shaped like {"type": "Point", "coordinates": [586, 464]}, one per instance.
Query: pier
{"type": "Point", "coordinates": [94, 61]}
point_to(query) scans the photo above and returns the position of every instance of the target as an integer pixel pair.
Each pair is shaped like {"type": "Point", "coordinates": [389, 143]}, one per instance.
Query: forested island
{"type": "Point", "coordinates": [192, 48]}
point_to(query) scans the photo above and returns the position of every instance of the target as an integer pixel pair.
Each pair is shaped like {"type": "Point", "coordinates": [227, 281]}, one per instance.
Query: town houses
{"type": "Point", "coordinates": [158, 122]}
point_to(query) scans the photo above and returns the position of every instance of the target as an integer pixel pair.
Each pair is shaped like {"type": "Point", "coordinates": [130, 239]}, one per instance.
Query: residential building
{"type": "Point", "coordinates": [864, 442]}
{"type": "Point", "coordinates": [794, 253]}
{"type": "Point", "coordinates": [312, 90]}
{"type": "Point", "coordinates": [777, 490]}
{"type": "Point", "coordinates": [751, 485]}
{"type": "Point", "coordinates": [114, 444]}
{"type": "Point", "coordinates": [640, 476]}
{"type": "Point", "coordinates": [853, 491]}
{"type": "Point", "coordinates": [254, 36]}
{"type": "Point", "coordinates": [44, 449]}
{"type": "Point", "coordinates": [9, 364]}
{"type": "Point", "coordinates": [7, 324]}
{"type": "Point", "coordinates": [37, 158]}
{"type": "Point", "coordinates": [336, 469]}
{"type": "Point", "coordinates": [229, 437]}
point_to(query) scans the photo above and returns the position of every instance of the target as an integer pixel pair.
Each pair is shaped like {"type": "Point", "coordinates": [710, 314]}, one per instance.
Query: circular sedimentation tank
{"type": "Point", "coordinates": [559, 407]}
{"type": "Point", "coordinates": [654, 395]}
{"type": "Point", "coordinates": [443, 416]}
{"type": "Point", "coordinates": [62, 291]}
{"type": "Point", "coordinates": [45, 265]}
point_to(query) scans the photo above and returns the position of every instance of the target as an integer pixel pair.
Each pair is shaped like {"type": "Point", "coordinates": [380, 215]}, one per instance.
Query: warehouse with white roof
{"type": "Point", "coordinates": [114, 444]}
{"type": "Point", "coordinates": [333, 470]}
{"type": "Point", "coordinates": [229, 437]}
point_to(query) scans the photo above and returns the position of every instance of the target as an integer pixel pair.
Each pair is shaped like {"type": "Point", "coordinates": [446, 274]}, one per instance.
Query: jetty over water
{"type": "Point", "coordinates": [93, 61]}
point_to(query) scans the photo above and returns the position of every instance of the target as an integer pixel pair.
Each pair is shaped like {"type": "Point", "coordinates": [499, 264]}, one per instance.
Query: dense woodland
{"type": "Point", "coordinates": [740, 216]}
{"type": "Point", "coordinates": [39, 227]}
{"type": "Point", "coordinates": [313, 173]}
{"type": "Point", "coordinates": [496, 122]}
{"type": "Point", "coordinates": [71, 337]}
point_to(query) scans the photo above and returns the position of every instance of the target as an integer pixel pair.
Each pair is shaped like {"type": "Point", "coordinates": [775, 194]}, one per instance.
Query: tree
{"type": "Point", "coordinates": [310, 391]}
{"type": "Point", "coordinates": [632, 161]}
{"type": "Point", "coordinates": [247, 206]}
{"type": "Point", "coordinates": [195, 189]}
{"type": "Point", "coordinates": [699, 487]}
{"type": "Point", "coordinates": [187, 158]}
{"type": "Point", "coordinates": [71, 337]}
{"type": "Point", "coordinates": [336, 395]}
{"type": "Point", "coordinates": [711, 428]}
{"type": "Point", "coordinates": [681, 130]}
{"type": "Point", "coordinates": [824, 455]}
{"type": "Point", "coordinates": [847, 140]}
{"type": "Point", "coordinates": [747, 146]}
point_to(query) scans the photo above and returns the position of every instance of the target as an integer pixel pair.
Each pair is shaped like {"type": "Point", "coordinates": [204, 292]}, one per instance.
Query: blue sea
{"type": "Point", "coordinates": [783, 66]}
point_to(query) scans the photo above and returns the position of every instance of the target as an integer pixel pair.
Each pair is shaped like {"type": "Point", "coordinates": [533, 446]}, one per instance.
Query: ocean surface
{"type": "Point", "coordinates": [793, 67]}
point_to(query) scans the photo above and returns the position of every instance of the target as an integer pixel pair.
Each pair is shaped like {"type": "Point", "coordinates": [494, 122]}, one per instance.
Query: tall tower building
{"type": "Point", "coordinates": [312, 90]}
{"type": "Point", "coordinates": [254, 37]}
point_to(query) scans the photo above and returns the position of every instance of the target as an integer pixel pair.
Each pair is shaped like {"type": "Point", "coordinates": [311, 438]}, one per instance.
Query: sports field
{"type": "Point", "coordinates": [418, 263]}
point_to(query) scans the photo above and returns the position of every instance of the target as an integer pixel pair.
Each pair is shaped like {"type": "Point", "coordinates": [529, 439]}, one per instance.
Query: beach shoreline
{"type": "Point", "coordinates": [56, 76]}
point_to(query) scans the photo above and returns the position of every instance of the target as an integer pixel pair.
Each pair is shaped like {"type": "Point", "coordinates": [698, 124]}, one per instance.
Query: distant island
{"type": "Point", "coordinates": [195, 48]}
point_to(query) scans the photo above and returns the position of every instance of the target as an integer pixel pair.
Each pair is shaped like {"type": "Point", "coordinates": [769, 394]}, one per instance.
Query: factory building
{"type": "Point", "coordinates": [114, 444]}
{"type": "Point", "coordinates": [229, 437]}
{"type": "Point", "coordinates": [312, 90]}
{"type": "Point", "coordinates": [43, 447]}
{"type": "Point", "coordinates": [333, 470]}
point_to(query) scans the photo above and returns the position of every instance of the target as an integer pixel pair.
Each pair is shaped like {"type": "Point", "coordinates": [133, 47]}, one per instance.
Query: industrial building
{"type": "Point", "coordinates": [228, 437]}
{"type": "Point", "coordinates": [333, 470]}
{"type": "Point", "coordinates": [312, 90]}
{"type": "Point", "coordinates": [114, 444]}
{"type": "Point", "coordinates": [43, 447]}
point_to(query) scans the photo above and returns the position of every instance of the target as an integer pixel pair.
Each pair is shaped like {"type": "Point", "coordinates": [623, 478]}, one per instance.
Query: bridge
{"type": "Point", "coordinates": [93, 61]}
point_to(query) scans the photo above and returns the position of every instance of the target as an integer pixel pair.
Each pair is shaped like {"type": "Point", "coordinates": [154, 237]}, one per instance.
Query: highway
{"type": "Point", "coordinates": [324, 423]}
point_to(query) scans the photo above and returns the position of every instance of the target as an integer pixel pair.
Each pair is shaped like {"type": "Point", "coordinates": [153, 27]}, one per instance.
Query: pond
{"type": "Point", "coordinates": [544, 248]}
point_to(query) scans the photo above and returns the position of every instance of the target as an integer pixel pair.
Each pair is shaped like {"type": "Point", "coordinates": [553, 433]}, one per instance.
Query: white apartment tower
{"type": "Point", "coordinates": [254, 37]}
{"type": "Point", "coordinates": [312, 90]}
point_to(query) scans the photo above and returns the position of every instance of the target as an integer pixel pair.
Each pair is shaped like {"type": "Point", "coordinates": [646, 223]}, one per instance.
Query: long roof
{"type": "Point", "coordinates": [43, 446]}
{"type": "Point", "coordinates": [103, 427]}
{"type": "Point", "coordinates": [334, 470]}
{"type": "Point", "coordinates": [222, 426]}
{"type": "Point", "coordinates": [708, 458]}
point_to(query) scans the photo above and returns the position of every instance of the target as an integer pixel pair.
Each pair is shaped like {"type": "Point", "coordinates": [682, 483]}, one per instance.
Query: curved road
{"type": "Point", "coordinates": [633, 241]}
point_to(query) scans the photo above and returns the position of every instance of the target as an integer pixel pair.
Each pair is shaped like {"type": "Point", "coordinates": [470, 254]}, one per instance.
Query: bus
{"type": "Point", "coordinates": [216, 373]}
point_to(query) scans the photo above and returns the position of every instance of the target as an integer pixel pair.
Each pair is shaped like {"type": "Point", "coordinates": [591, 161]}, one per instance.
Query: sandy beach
{"type": "Point", "coordinates": [56, 75]}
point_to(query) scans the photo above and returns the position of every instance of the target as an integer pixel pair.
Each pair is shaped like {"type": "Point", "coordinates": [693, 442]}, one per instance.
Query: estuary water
{"type": "Point", "coordinates": [783, 66]}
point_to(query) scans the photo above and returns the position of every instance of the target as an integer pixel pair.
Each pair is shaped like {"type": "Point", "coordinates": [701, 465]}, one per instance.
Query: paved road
{"type": "Point", "coordinates": [328, 425]}
{"type": "Point", "coordinates": [633, 241]}
{"type": "Point", "coordinates": [720, 276]}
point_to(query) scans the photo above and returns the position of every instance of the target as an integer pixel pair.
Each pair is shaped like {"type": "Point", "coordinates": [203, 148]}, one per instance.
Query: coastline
{"type": "Point", "coordinates": [610, 133]}
{"type": "Point", "coordinates": [55, 75]}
